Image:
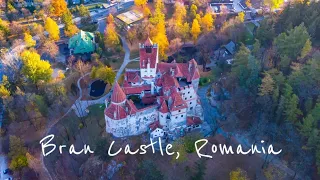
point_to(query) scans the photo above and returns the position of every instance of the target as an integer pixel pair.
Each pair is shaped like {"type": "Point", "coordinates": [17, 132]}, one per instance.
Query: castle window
{"type": "Point", "coordinates": [190, 96]}
{"type": "Point", "coordinates": [181, 115]}
{"type": "Point", "coordinates": [179, 110]}
{"type": "Point", "coordinates": [148, 49]}
{"type": "Point", "coordinates": [176, 117]}
{"type": "Point", "coordinates": [185, 98]}
{"type": "Point", "coordinates": [189, 92]}
{"type": "Point", "coordinates": [190, 102]}
{"type": "Point", "coordinates": [191, 108]}
{"type": "Point", "coordinates": [161, 115]}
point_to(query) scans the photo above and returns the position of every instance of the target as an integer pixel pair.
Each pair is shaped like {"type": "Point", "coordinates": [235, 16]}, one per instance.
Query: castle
{"type": "Point", "coordinates": [168, 92]}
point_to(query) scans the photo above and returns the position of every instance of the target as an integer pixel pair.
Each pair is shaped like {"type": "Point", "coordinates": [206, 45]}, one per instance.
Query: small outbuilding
{"type": "Point", "coordinates": [81, 43]}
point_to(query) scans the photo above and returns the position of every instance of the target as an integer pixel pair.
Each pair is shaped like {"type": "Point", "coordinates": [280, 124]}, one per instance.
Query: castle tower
{"type": "Point", "coordinates": [118, 96]}
{"type": "Point", "coordinates": [148, 60]}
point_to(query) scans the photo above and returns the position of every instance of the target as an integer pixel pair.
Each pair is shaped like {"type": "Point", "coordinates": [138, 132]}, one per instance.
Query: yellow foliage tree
{"type": "Point", "coordinates": [238, 174]}
{"type": "Point", "coordinates": [195, 30]}
{"type": "Point", "coordinates": [162, 41]}
{"type": "Point", "coordinates": [111, 37]}
{"type": "Point", "coordinates": [193, 11]}
{"type": "Point", "coordinates": [52, 28]}
{"type": "Point", "coordinates": [184, 31]}
{"type": "Point", "coordinates": [70, 30]}
{"type": "Point", "coordinates": [158, 15]}
{"type": "Point", "coordinates": [4, 92]}
{"type": "Point", "coordinates": [248, 3]}
{"type": "Point", "coordinates": [28, 40]}
{"type": "Point", "coordinates": [207, 22]}
{"type": "Point", "coordinates": [104, 73]}
{"type": "Point", "coordinates": [241, 16]}
{"type": "Point", "coordinates": [180, 13]}
{"type": "Point", "coordinates": [146, 12]}
{"type": "Point", "coordinates": [140, 3]}
{"type": "Point", "coordinates": [110, 19]}
{"type": "Point", "coordinates": [273, 4]}
{"type": "Point", "coordinates": [34, 68]}
{"type": "Point", "coordinates": [59, 7]}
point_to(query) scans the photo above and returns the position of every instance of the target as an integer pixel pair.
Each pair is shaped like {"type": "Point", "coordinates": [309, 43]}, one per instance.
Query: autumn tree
{"type": "Point", "coordinates": [238, 174]}
{"type": "Point", "coordinates": [248, 3]}
{"type": "Point", "coordinates": [184, 31]}
{"type": "Point", "coordinates": [131, 35]}
{"type": "Point", "coordinates": [267, 85]}
{"type": "Point", "coordinates": [207, 23]}
{"type": "Point", "coordinates": [17, 153]}
{"type": "Point", "coordinates": [180, 13]}
{"type": "Point", "coordinates": [59, 7]}
{"type": "Point", "coordinates": [4, 87]}
{"type": "Point", "coordinates": [83, 10]}
{"type": "Point", "coordinates": [273, 4]}
{"type": "Point", "coordinates": [104, 73]}
{"type": "Point", "coordinates": [161, 39]}
{"type": "Point", "coordinates": [306, 49]}
{"type": "Point", "coordinates": [158, 15]}
{"type": "Point", "coordinates": [146, 12]}
{"type": "Point", "coordinates": [158, 30]}
{"type": "Point", "coordinates": [28, 40]}
{"type": "Point", "coordinates": [241, 16]}
{"type": "Point", "coordinates": [110, 19]}
{"type": "Point", "coordinates": [52, 28]}
{"type": "Point", "coordinates": [111, 37]}
{"type": "Point", "coordinates": [193, 11]}
{"type": "Point", "coordinates": [49, 48]}
{"type": "Point", "coordinates": [70, 28]}
{"type": "Point", "coordinates": [34, 68]}
{"type": "Point", "coordinates": [140, 3]}
{"type": "Point", "coordinates": [195, 30]}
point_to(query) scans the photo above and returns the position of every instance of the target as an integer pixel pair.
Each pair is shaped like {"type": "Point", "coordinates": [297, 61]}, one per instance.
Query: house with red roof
{"type": "Point", "coordinates": [168, 92]}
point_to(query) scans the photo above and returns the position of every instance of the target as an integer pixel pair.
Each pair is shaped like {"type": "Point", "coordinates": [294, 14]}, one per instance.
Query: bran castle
{"type": "Point", "coordinates": [168, 92]}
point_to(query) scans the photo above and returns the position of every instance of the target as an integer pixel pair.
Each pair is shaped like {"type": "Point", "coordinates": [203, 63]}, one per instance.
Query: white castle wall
{"type": "Point", "coordinates": [132, 125]}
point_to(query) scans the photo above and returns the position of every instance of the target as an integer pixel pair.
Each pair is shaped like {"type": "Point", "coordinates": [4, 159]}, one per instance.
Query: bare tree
{"type": "Point", "coordinates": [82, 68]}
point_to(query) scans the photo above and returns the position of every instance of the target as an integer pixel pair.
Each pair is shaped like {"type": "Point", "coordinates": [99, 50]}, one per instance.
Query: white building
{"type": "Point", "coordinates": [168, 90]}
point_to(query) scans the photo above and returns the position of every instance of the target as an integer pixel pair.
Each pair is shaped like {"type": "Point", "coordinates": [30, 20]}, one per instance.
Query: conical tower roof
{"type": "Point", "coordinates": [118, 95]}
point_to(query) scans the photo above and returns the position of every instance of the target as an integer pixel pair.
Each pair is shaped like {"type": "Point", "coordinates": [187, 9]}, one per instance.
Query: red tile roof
{"type": "Point", "coordinates": [168, 81]}
{"type": "Point", "coordinates": [115, 112]}
{"type": "Point", "coordinates": [193, 120]}
{"type": "Point", "coordinates": [177, 102]}
{"type": "Point", "coordinates": [136, 89]}
{"type": "Point", "coordinates": [180, 69]}
{"type": "Point", "coordinates": [133, 76]}
{"type": "Point", "coordinates": [149, 99]}
{"type": "Point", "coordinates": [132, 109]}
{"type": "Point", "coordinates": [164, 108]}
{"type": "Point", "coordinates": [155, 125]}
{"type": "Point", "coordinates": [118, 95]}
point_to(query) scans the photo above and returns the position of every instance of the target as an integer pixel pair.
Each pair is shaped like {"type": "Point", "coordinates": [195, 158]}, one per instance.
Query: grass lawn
{"type": "Point", "coordinates": [77, 131]}
{"type": "Point", "coordinates": [133, 65]}
{"type": "Point", "coordinates": [134, 54]}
